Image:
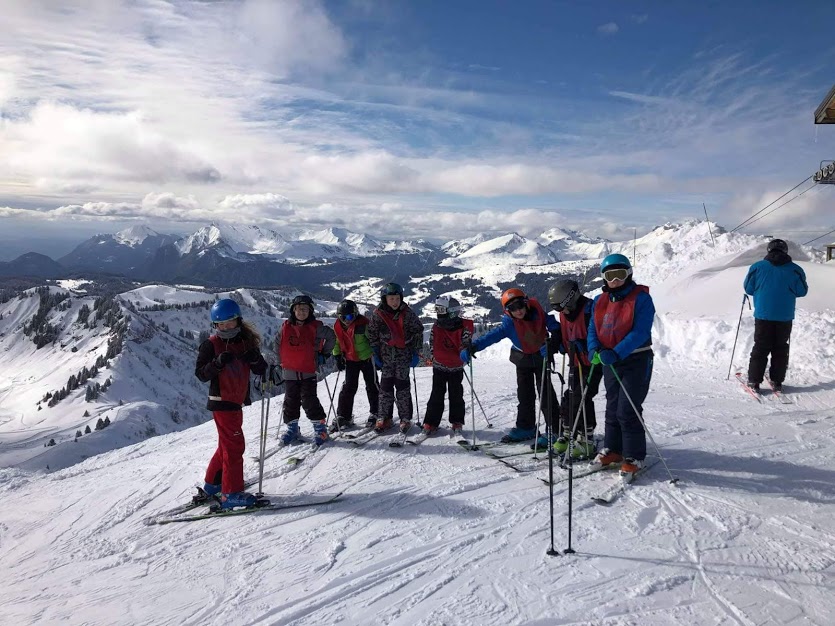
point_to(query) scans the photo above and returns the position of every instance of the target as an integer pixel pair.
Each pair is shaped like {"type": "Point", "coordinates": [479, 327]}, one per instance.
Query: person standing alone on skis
{"type": "Point", "coordinates": [396, 336]}
{"type": "Point", "coordinates": [353, 356]}
{"type": "Point", "coordinates": [225, 361]}
{"type": "Point", "coordinates": [302, 344]}
{"type": "Point", "coordinates": [527, 325]}
{"type": "Point", "coordinates": [776, 283]}
{"type": "Point", "coordinates": [575, 315]}
{"type": "Point", "coordinates": [620, 340]}
{"type": "Point", "coordinates": [449, 335]}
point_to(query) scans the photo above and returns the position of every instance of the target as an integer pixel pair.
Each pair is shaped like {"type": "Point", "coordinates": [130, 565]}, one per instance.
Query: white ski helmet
{"type": "Point", "coordinates": [447, 305]}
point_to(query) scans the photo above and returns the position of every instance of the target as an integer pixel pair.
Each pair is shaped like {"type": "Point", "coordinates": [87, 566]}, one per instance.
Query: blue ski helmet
{"type": "Point", "coordinates": [225, 310]}
{"type": "Point", "coordinates": [613, 261]}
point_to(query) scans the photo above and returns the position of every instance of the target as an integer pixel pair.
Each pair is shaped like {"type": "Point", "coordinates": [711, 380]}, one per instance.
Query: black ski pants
{"type": "Point", "coordinates": [770, 337]}
{"type": "Point", "coordinates": [353, 369]}
{"type": "Point", "coordinates": [302, 394]}
{"type": "Point", "coordinates": [624, 432]}
{"type": "Point", "coordinates": [441, 381]}
{"type": "Point", "coordinates": [573, 393]}
{"type": "Point", "coordinates": [528, 387]}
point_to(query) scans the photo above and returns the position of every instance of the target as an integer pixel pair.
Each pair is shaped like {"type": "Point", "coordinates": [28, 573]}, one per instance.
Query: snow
{"type": "Point", "coordinates": [437, 534]}
{"type": "Point", "coordinates": [134, 235]}
{"type": "Point", "coordinates": [510, 249]}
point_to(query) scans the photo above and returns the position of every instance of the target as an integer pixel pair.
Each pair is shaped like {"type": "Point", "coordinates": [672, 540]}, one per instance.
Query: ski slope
{"type": "Point", "coordinates": [440, 535]}
{"type": "Point", "coordinates": [437, 534]}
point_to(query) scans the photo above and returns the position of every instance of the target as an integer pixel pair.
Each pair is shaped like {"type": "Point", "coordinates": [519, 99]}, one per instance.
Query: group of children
{"type": "Point", "coordinates": [606, 339]}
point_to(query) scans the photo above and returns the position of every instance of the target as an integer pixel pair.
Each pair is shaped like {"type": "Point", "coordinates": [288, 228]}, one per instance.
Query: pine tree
{"type": "Point", "coordinates": [99, 424]}
{"type": "Point", "coordinates": [87, 430]}
{"type": "Point", "coordinates": [86, 414]}
{"type": "Point", "coordinates": [77, 434]}
{"type": "Point", "coordinates": [106, 421]}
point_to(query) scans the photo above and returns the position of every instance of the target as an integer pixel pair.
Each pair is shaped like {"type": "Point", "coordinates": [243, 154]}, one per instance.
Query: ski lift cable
{"type": "Point", "coordinates": [784, 204]}
{"type": "Point", "coordinates": [744, 223]}
{"type": "Point", "coordinates": [821, 237]}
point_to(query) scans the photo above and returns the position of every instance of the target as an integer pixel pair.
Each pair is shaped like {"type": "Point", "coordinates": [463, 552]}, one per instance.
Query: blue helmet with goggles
{"type": "Point", "coordinates": [225, 310]}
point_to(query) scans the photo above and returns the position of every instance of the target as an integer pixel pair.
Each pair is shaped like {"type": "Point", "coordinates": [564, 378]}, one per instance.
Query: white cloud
{"type": "Point", "coordinates": [609, 28]}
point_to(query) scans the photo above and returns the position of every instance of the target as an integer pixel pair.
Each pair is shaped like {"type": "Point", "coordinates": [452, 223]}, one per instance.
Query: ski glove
{"type": "Point", "coordinates": [377, 360]}
{"type": "Point", "coordinates": [252, 356]}
{"type": "Point", "coordinates": [606, 357]}
{"type": "Point", "coordinates": [223, 359]}
{"type": "Point", "coordinates": [580, 346]}
{"type": "Point", "coordinates": [340, 362]}
{"type": "Point", "coordinates": [468, 353]}
{"type": "Point", "coordinates": [415, 359]}
{"type": "Point", "coordinates": [275, 375]}
{"type": "Point", "coordinates": [323, 358]}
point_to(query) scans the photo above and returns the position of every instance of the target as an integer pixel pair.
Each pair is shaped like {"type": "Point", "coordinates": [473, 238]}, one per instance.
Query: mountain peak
{"type": "Point", "coordinates": [134, 235]}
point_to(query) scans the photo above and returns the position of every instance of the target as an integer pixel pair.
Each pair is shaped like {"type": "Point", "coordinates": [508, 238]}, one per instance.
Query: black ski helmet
{"type": "Point", "coordinates": [302, 299]}
{"type": "Point", "coordinates": [564, 294]}
{"type": "Point", "coordinates": [347, 307]}
{"type": "Point", "coordinates": [778, 244]}
{"type": "Point", "coordinates": [391, 289]}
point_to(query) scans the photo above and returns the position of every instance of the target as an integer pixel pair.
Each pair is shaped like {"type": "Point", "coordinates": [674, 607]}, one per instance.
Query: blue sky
{"type": "Point", "coordinates": [434, 119]}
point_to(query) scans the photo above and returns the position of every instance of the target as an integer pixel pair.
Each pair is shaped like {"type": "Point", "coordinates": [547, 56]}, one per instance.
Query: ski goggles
{"type": "Point", "coordinates": [348, 317]}
{"type": "Point", "coordinates": [616, 274]}
{"type": "Point", "coordinates": [515, 305]}
{"type": "Point", "coordinates": [441, 310]}
{"type": "Point", "coordinates": [559, 306]}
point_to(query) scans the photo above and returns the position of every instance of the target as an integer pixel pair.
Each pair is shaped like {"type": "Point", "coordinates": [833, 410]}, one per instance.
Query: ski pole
{"type": "Point", "coordinates": [549, 431]}
{"type": "Point", "coordinates": [330, 398]}
{"type": "Point", "coordinates": [539, 408]}
{"type": "Point", "coordinates": [417, 402]}
{"type": "Point", "coordinates": [738, 324]}
{"type": "Point", "coordinates": [673, 480]}
{"type": "Point", "coordinates": [475, 395]}
{"type": "Point", "coordinates": [570, 453]}
{"type": "Point", "coordinates": [263, 442]}
{"type": "Point", "coordinates": [472, 404]}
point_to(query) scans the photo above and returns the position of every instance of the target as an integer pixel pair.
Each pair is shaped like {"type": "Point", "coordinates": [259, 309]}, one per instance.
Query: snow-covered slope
{"type": "Point", "coordinates": [437, 534]}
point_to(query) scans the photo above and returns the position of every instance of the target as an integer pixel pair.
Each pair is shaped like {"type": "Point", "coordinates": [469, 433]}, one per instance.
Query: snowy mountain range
{"type": "Point", "coordinates": [428, 534]}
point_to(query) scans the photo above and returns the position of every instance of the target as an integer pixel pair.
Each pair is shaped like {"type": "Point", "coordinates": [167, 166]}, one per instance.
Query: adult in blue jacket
{"type": "Point", "coordinates": [527, 326]}
{"type": "Point", "coordinates": [620, 339]}
{"type": "Point", "coordinates": [775, 282]}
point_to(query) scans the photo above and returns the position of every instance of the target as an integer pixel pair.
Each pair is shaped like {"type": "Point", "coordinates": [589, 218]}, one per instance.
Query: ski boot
{"type": "Point", "coordinates": [320, 428]}
{"type": "Point", "coordinates": [428, 429]}
{"type": "Point", "coordinates": [630, 467]}
{"type": "Point", "coordinates": [237, 500]}
{"type": "Point", "coordinates": [457, 428]}
{"type": "Point", "coordinates": [542, 443]}
{"type": "Point", "coordinates": [517, 435]}
{"type": "Point", "coordinates": [371, 422]}
{"type": "Point", "coordinates": [292, 433]}
{"type": "Point", "coordinates": [584, 447]}
{"type": "Point", "coordinates": [607, 457]}
{"type": "Point", "coordinates": [405, 425]}
{"type": "Point", "coordinates": [382, 425]}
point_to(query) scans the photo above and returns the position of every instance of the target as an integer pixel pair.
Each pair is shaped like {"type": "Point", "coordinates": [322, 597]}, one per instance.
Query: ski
{"type": "Point", "coordinates": [581, 470]}
{"type": "Point", "coordinates": [399, 439]}
{"type": "Point", "coordinates": [358, 434]}
{"type": "Point", "coordinates": [275, 450]}
{"type": "Point", "coordinates": [748, 389]}
{"type": "Point", "coordinates": [276, 503]}
{"type": "Point", "coordinates": [615, 490]}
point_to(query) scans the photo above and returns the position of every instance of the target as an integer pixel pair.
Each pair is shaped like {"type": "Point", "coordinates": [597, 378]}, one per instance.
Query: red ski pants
{"type": "Point", "coordinates": [227, 465]}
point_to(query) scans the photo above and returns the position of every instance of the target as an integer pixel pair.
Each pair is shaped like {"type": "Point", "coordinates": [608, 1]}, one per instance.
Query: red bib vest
{"type": "Point", "coordinates": [614, 320]}
{"type": "Point", "coordinates": [573, 330]}
{"type": "Point", "coordinates": [531, 333]}
{"type": "Point", "coordinates": [298, 346]}
{"type": "Point", "coordinates": [234, 377]}
{"type": "Point", "coordinates": [395, 325]}
{"type": "Point", "coordinates": [447, 346]}
{"type": "Point", "coordinates": [345, 336]}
